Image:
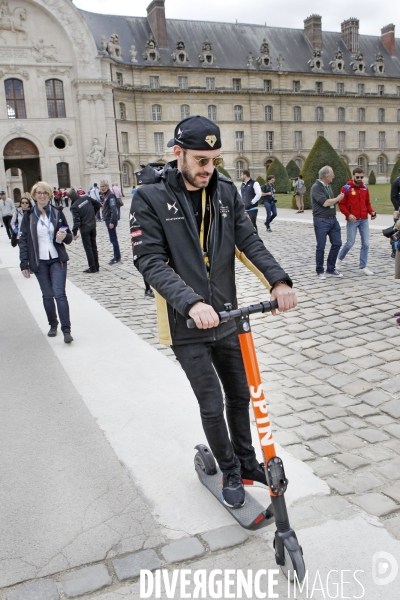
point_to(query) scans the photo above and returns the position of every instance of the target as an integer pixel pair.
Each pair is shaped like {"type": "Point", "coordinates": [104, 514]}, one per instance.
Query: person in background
{"type": "Point", "coordinates": [94, 194]}
{"type": "Point", "coordinates": [110, 216]}
{"type": "Point", "coordinates": [80, 191]}
{"type": "Point", "coordinates": [83, 213]}
{"type": "Point", "coordinates": [116, 190]}
{"type": "Point", "coordinates": [17, 217]}
{"type": "Point", "coordinates": [7, 208]}
{"type": "Point", "coordinates": [44, 231]}
{"type": "Point", "coordinates": [300, 190]}
{"type": "Point", "coordinates": [268, 193]}
{"type": "Point", "coordinates": [65, 197]}
{"type": "Point", "coordinates": [133, 191]}
{"type": "Point", "coordinates": [250, 192]}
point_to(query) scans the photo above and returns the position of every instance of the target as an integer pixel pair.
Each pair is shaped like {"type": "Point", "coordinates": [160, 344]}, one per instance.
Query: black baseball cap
{"type": "Point", "coordinates": [196, 133]}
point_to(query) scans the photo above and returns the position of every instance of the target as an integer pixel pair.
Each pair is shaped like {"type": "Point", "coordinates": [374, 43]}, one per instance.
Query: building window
{"type": "Point", "coordinates": [320, 134]}
{"type": "Point", "coordinates": [183, 82]}
{"type": "Point", "coordinates": [341, 139]}
{"type": "Point", "coordinates": [296, 86]}
{"type": "Point", "coordinates": [297, 113]}
{"type": "Point", "coordinates": [63, 175]}
{"type": "Point", "coordinates": [159, 143]}
{"type": "Point", "coordinates": [156, 112]}
{"type": "Point", "coordinates": [125, 175]}
{"type": "Point", "coordinates": [267, 85]}
{"type": "Point", "coordinates": [119, 78]}
{"type": "Point", "coordinates": [398, 114]}
{"type": "Point", "coordinates": [212, 112]}
{"type": "Point", "coordinates": [398, 90]}
{"type": "Point", "coordinates": [340, 113]}
{"type": "Point", "coordinates": [154, 81]}
{"type": "Point", "coordinates": [361, 163]}
{"type": "Point", "coordinates": [319, 113]}
{"type": "Point", "coordinates": [381, 90]}
{"type": "Point", "coordinates": [319, 88]}
{"type": "Point", "coordinates": [361, 88]}
{"type": "Point", "coordinates": [125, 143]}
{"type": "Point", "coordinates": [340, 88]}
{"type": "Point", "coordinates": [361, 115]}
{"type": "Point", "coordinates": [381, 115]}
{"type": "Point", "coordinates": [185, 111]}
{"type": "Point", "coordinates": [298, 140]}
{"type": "Point", "coordinates": [55, 99]}
{"type": "Point", "coordinates": [237, 84]}
{"type": "Point", "coordinates": [238, 112]}
{"type": "Point", "coordinates": [299, 162]}
{"type": "Point", "coordinates": [240, 166]}
{"type": "Point", "coordinates": [381, 165]}
{"type": "Point", "coordinates": [122, 111]}
{"type": "Point", "coordinates": [15, 99]}
{"type": "Point", "coordinates": [382, 140]}
{"type": "Point", "coordinates": [268, 113]}
{"type": "Point", "coordinates": [269, 140]}
{"type": "Point", "coordinates": [239, 140]}
{"type": "Point", "coordinates": [210, 83]}
{"type": "Point", "coordinates": [361, 140]}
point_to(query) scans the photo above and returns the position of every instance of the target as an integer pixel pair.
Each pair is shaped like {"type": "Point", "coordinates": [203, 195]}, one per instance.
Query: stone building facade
{"type": "Point", "coordinates": [87, 96]}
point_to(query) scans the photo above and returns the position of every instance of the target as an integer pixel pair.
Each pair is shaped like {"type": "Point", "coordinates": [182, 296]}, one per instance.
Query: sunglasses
{"type": "Point", "coordinates": [357, 177]}
{"type": "Point", "coordinates": [24, 202]}
{"type": "Point", "coordinates": [202, 162]}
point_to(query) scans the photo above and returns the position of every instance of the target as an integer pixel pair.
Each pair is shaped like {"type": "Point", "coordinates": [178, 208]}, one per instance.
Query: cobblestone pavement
{"type": "Point", "coordinates": [330, 368]}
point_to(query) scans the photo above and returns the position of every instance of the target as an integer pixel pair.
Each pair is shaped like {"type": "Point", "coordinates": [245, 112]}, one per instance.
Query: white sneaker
{"type": "Point", "coordinates": [321, 275]}
{"type": "Point", "coordinates": [367, 271]}
{"type": "Point", "coordinates": [334, 273]}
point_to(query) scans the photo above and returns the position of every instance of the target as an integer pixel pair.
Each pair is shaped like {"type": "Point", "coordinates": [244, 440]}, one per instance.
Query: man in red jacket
{"type": "Point", "coordinates": [356, 207]}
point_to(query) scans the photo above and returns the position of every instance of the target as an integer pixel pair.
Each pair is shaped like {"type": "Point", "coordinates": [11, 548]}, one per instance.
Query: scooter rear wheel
{"type": "Point", "coordinates": [294, 563]}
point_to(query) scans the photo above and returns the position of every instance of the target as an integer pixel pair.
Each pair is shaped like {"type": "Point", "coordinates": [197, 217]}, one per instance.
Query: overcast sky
{"type": "Point", "coordinates": [372, 14]}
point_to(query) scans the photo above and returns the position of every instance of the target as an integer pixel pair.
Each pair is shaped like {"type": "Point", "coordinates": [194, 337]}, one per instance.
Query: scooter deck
{"type": "Point", "coordinates": [252, 515]}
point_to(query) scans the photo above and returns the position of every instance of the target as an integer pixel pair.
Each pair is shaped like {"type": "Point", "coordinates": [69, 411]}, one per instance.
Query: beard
{"type": "Point", "coordinates": [191, 177]}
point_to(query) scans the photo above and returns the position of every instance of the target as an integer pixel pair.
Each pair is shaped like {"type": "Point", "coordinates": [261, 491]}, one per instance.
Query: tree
{"type": "Point", "coordinates": [292, 169]}
{"type": "Point", "coordinates": [282, 182]}
{"type": "Point", "coordinates": [223, 171]}
{"type": "Point", "coordinates": [260, 180]}
{"type": "Point", "coordinates": [372, 178]}
{"type": "Point", "coordinates": [395, 171]}
{"type": "Point", "coordinates": [323, 154]}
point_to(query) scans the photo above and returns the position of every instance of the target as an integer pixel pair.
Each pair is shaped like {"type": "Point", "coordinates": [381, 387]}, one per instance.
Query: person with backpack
{"type": "Point", "coordinates": [300, 190]}
{"type": "Point", "coordinates": [356, 206]}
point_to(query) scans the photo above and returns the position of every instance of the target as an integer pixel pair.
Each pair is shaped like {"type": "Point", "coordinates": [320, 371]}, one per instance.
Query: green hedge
{"type": "Point", "coordinates": [260, 180]}
{"type": "Point", "coordinates": [282, 182]}
{"type": "Point", "coordinates": [372, 178]}
{"type": "Point", "coordinates": [395, 171]}
{"type": "Point", "coordinates": [292, 169]}
{"type": "Point", "coordinates": [223, 171]}
{"type": "Point", "coordinates": [322, 154]}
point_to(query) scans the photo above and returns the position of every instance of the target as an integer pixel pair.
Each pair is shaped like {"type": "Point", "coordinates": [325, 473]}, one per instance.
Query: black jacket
{"type": "Point", "coordinates": [167, 251]}
{"type": "Point", "coordinates": [28, 242]}
{"type": "Point", "coordinates": [110, 212]}
{"type": "Point", "coordinates": [395, 193]}
{"type": "Point", "coordinates": [83, 213]}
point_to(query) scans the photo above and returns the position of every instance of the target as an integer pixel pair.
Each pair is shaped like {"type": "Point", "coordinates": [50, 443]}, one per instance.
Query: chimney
{"type": "Point", "coordinates": [350, 34]}
{"type": "Point", "coordinates": [313, 31]}
{"type": "Point", "coordinates": [156, 20]}
{"type": "Point", "coordinates": [388, 39]}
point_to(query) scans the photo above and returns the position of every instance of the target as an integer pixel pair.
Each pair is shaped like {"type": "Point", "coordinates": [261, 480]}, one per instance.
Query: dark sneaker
{"type": "Point", "coordinates": [68, 338]}
{"type": "Point", "coordinates": [89, 271]}
{"type": "Point", "coordinates": [255, 477]}
{"type": "Point", "coordinates": [52, 331]}
{"type": "Point", "coordinates": [114, 261]}
{"type": "Point", "coordinates": [393, 255]}
{"type": "Point", "coordinates": [232, 490]}
{"type": "Point", "coordinates": [149, 293]}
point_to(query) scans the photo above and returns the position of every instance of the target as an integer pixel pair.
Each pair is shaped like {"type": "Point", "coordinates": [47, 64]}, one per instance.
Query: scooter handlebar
{"type": "Point", "coordinates": [228, 315]}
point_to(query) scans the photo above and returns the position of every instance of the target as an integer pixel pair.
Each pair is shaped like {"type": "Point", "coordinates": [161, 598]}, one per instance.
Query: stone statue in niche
{"type": "Point", "coordinates": [338, 63]}
{"type": "Point", "coordinates": [42, 53]}
{"type": "Point", "coordinates": [250, 59]}
{"type": "Point", "coordinates": [113, 47]}
{"type": "Point", "coordinates": [151, 52]}
{"type": "Point", "coordinates": [207, 57]}
{"type": "Point", "coordinates": [95, 157]}
{"type": "Point", "coordinates": [264, 59]}
{"type": "Point", "coordinates": [316, 62]}
{"type": "Point", "coordinates": [11, 20]}
{"type": "Point", "coordinates": [103, 43]}
{"type": "Point", "coordinates": [133, 53]}
{"type": "Point", "coordinates": [280, 60]}
{"type": "Point", "coordinates": [180, 55]}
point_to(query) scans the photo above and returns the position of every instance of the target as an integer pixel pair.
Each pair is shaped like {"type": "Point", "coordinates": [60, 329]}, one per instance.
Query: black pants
{"type": "Point", "coordinates": [253, 217]}
{"type": "Point", "coordinates": [207, 365]}
{"type": "Point", "coordinates": [7, 225]}
{"type": "Point", "coordinates": [90, 246]}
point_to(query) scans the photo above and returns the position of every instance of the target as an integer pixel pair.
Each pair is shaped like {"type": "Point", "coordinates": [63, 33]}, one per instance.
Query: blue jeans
{"type": "Point", "coordinates": [363, 227]}
{"type": "Point", "coordinates": [270, 208]}
{"type": "Point", "coordinates": [52, 276]}
{"type": "Point", "coordinates": [112, 233]}
{"type": "Point", "coordinates": [205, 365]}
{"type": "Point", "coordinates": [327, 228]}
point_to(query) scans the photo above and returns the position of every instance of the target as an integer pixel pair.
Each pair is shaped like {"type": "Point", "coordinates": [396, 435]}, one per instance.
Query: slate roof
{"type": "Point", "coordinates": [232, 42]}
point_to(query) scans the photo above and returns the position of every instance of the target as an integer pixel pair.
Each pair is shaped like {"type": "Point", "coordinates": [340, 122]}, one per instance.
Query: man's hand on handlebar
{"type": "Point", "coordinates": [285, 296]}
{"type": "Point", "coordinates": [204, 315]}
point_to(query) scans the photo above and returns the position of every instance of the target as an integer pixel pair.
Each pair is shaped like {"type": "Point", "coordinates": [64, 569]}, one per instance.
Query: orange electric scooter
{"type": "Point", "coordinates": [252, 515]}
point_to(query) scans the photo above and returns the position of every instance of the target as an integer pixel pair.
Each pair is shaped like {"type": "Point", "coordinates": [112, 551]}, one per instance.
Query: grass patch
{"type": "Point", "coordinates": [381, 191]}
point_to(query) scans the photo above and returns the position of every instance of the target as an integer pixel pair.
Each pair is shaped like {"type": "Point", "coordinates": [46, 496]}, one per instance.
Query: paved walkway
{"type": "Point", "coordinates": [329, 371]}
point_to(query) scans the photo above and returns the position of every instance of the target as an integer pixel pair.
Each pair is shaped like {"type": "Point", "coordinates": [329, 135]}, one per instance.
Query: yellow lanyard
{"type": "Point", "coordinates": [203, 212]}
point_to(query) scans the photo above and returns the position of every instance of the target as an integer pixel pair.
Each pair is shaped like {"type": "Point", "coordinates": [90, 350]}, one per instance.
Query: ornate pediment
{"type": "Point", "coordinates": [264, 58]}
{"type": "Point", "coordinates": [180, 56]}
{"type": "Point", "coordinates": [316, 63]}
{"type": "Point", "coordinates": [151, 53]}
{"type": "Point", "coordinates": [207, 57]}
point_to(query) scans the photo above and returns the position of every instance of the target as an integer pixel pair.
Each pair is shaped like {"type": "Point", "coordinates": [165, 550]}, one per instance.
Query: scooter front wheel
{"type": "Point", "coordinates": [294, 563]}
{"type": "Point", "coordinates": [205, 460]}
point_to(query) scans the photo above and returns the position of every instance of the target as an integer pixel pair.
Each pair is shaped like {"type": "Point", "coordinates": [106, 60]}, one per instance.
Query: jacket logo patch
{"type": "Point", "coordinates": [210, 139]}
{"type": "Point", "coordinates": [136, 233]}
{"type": "Point", "coordinates": [224, 210]}
{"type": "Point", "coordinates": [172, 206]}
{"type": "Point", "coordinates": [132, 218]}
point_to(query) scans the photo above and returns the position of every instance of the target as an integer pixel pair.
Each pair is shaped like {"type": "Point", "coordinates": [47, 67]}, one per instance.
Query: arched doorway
{"type": "Point", "coordinates": [23, 154]}
{"type": "Point", "coordinates": [17, 195]}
